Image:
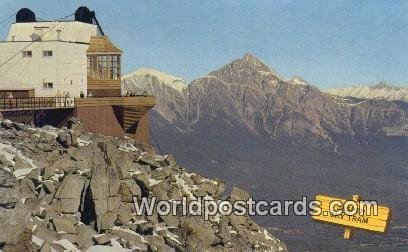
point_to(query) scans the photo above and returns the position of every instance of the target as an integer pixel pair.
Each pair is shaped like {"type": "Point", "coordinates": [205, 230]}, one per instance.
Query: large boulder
{"type": "Point", "coordinates": [75, 126]}
{"type": "Point", "coordinates": [65, 139]}
{"type": "Point", "coordinates": [9, 192]}
{"type": "Point", "coordinates": [149, 159]}
{"type": "Point", "coordinates": [199, 232]}
{"type": "Point", "coordinates": [102, 239]}
{"type": "Point", "coordinates": [134, 238]}
{"type": "Point", "coordinates": [68, 196]}
{"type": "Point", "coordinates": [63, 225]}
{"type": "Point", "coordinates": [104, 187]}
{"type": "Point", "coordinates": [14, 216]}
{"type": "Point", "coordinates": [128, 189]}
{"type": "Point", "coordinates": [85, 236]}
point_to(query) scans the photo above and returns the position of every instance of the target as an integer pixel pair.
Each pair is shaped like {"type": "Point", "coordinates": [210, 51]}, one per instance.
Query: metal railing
{"type": "Point", "coordinates": [36, 103]}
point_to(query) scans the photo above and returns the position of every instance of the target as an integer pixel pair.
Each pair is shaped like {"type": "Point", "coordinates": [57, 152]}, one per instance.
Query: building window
{"type": "Point", "coordinates": [27, 54]}
{"type": "Point", "coordinates": [114, 67]}
{"type": "Point", "coordinates": [104, 67]}
{"type": "Point", "coordinates": [48, 85]}
{"type": "Point", "coordinates": [47, 53]}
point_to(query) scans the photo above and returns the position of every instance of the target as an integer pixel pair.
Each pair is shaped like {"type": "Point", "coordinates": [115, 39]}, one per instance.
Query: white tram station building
{"type": "Point", "coordinates": [55, 58]}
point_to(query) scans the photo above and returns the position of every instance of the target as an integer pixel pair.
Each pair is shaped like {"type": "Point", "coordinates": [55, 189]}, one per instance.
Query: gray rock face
{"type": "Point", "coordinates": [102, 239]}
{"type": "Point", "coordinates": [108, 220]}
{"type": "Point", "coordinates": [85, 236]}
{"type": "Point", "coordinates": [128, 189]}
{"type": "Point", "coordinates": [104, 188]}
{"type": "Point", "coordinates": [63, 225]}
{"type": "Point", "coordinates": [8, 189]}
{"type": "Point", "coordinates": [134, 238]}
{"type": "Point", "coordinates": [13, 214]}
{"type": "Point", "coordinates": [199, 230]}
{"type": "Point", "coordinates": [69, 138]}
{"type": "Point", "coordinates": [75, 125]}
{"type": "Point", "coordinates": [68, 197]}
{"type": "Point", "coordinates": [65, 139]}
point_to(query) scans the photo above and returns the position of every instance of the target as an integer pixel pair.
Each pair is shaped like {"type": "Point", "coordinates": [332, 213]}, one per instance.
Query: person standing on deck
{"type": "Point", "coordinates": [10, 99]}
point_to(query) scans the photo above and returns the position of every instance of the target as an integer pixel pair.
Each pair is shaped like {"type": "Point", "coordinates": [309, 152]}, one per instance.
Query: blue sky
{"type": "Point", "coordinates": [328, 43]}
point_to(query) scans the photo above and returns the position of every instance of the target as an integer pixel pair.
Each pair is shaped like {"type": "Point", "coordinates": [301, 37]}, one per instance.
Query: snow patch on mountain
{"type": "Point", "coordinates": [296, 80]}
{"type": "Point", "coordinates": [174, 82]}
{"type": "Point", "coordinates": [381, 91]}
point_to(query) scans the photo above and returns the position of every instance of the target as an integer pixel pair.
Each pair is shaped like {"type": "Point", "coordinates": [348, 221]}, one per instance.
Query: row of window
{"type": "Point", "coordinates": [29, 54]}
{"type": "Point", "coordinates": [104, 67]}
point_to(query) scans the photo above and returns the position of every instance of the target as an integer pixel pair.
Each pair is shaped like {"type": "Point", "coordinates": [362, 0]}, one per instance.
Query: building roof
{"type": "Point", "coordinates": [98, 44]}
{"type": "Point", "coordinates": [70, 31]}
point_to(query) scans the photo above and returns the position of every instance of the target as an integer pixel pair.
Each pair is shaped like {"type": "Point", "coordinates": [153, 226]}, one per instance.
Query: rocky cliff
{"type": "Point", "coordinates": [69, 190]}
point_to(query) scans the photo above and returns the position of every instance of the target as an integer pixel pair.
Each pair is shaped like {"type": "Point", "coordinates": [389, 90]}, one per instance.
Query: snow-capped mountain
{"type": "Point", "coordinates": [296, 80]}
{"type": "Point", "coordinates": [247, 125]}
{"type": "Point", "coordinates": [165, 87]}
{"type": "Point", "coordinates": [381, 91]}
{"type": "Point", "coordinates": [140, 75]}
{"type": "Point", "coordinates": [249, 94]}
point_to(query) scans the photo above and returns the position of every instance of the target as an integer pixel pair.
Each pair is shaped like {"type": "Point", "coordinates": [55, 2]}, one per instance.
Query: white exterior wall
{"type": "Point", "coordinates": [72, 31]}
{"type": "Point", "coordinates": [68, 63]}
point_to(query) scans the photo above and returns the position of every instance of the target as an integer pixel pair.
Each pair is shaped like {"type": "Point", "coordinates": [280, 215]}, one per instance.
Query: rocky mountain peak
{"type": "Point", "coordinates": [241, 71]}
{"type": "Point", "coordinates": [381, 84]}
{"type": "Point", "coordinates": [297, 80]}
{"type": "Point", "coordinates": [251, 59]}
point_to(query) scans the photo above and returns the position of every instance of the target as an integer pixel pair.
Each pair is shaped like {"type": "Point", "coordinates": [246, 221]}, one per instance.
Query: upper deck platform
{"type": "Point", "coordinates": [127, 101]}
{"type": "Point", "coordinates": [46, 103]}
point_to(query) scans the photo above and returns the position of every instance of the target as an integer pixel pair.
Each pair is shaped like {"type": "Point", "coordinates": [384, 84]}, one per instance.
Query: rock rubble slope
{"type": "Point", "coordinates": [69, 190]}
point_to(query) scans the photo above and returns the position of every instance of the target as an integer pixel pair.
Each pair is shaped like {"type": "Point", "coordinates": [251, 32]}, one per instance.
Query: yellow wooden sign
{"type": "Point", "coordinates": [354, 213]}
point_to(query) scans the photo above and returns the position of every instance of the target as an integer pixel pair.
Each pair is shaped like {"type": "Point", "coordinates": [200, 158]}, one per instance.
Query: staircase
{"type": "Point", "coordinates": [131, 117]}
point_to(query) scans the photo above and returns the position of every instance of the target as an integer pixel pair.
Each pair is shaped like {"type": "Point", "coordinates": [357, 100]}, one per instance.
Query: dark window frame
{"type": "Point", "coordinates": [48, 85]}
{"type": "Point", "coordinates": [48, 53]}
{"type": "Point", "coordinates": [27, 54]}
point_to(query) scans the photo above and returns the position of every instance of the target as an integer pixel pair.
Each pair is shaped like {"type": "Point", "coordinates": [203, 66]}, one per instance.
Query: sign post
{"type": "Point", "coordinates": [347, 231]}
{"type": "Point", "coordinates": [354, 213]}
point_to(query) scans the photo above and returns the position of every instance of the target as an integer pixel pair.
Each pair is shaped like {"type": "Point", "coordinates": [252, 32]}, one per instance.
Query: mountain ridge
{"type": "Point", "coordinates": [253, 94]}
{"type": "Point", "coordinates": [381, 90]}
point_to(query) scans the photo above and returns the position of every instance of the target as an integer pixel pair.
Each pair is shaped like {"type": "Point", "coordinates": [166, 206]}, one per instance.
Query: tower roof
{"type": "Point", "coordinates": [101, 44]}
